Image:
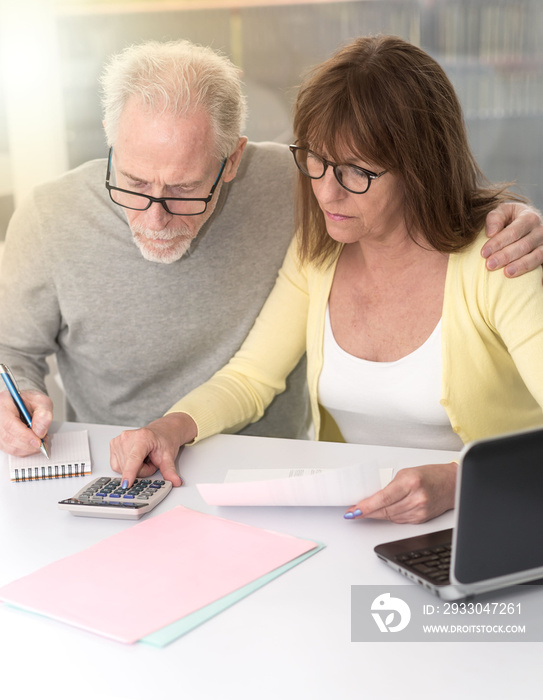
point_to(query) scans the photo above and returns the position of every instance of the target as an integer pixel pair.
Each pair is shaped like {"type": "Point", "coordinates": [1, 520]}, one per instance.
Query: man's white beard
{"type": "Point", "coordinates": [164, 246]}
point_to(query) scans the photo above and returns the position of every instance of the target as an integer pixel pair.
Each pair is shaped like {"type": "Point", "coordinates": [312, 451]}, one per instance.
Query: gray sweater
{"type": "Point", "coordinates": [133, 336]}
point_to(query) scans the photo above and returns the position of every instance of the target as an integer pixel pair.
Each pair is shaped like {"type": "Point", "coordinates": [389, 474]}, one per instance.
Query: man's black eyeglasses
{"type": "Point", "coordinates": [351, 177]}
{"type": "Point", "coordinates": [178, 206]}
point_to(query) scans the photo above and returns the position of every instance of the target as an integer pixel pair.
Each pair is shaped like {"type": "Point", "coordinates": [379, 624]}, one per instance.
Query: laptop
{"type": "Point", "coordinates": [497, 539]}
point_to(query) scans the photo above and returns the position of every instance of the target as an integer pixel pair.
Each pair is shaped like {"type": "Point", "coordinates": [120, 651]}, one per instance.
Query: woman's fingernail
{"type": "Point", "coordinates": [357, 512]}
{"type": "Point", "coordinates": [124, 485]}
{"type": "Point", "coordinates": [348, 516]}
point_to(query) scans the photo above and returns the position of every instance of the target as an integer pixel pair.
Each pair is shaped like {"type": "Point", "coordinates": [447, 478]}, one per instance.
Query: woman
{"type": "Point", "coordinates": [410, 340]}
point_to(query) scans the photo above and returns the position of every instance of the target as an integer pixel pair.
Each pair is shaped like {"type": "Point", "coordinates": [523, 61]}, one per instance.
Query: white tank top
{"type": "Point", "coordinates": [387, 403]}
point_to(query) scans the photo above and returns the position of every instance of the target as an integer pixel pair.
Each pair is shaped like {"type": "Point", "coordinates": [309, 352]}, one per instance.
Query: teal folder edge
{"type": "Point", "coordinates": [170, 633]}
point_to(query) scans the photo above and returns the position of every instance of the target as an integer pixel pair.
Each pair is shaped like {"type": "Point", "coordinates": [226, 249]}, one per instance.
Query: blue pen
{"type": "Point", "coordinates": [9, 381]}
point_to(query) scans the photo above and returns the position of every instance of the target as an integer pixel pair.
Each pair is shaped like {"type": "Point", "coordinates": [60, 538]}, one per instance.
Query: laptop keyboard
{"type": "Point", "coordinates": [432, 563]}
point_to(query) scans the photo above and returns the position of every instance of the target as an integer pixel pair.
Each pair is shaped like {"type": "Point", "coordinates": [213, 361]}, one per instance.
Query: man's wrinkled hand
{"type": "Point", "coordinates": [515, 239]}
{"type": "Point", "coordinates": [16, 438]}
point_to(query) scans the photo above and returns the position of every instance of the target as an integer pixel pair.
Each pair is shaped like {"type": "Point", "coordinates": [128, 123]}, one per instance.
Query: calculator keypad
{"type": "Point", "coordinates": [106, 490]}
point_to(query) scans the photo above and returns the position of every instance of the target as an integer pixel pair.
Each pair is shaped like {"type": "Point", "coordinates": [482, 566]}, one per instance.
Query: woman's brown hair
{"type": "Point", "coordinates": [390, 104]}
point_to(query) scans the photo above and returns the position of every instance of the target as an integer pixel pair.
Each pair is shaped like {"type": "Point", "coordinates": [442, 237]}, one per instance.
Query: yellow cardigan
{"type": "Point", "coordinates": [492, 351]}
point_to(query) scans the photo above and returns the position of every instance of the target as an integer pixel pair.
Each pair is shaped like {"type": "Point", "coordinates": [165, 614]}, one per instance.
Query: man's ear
{"type": "Point", "coordinates": [233, 161]}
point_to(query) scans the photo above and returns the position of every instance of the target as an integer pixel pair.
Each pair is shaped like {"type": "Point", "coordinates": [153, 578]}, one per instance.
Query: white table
{"type": "Point", "coordinates": [290, 639]}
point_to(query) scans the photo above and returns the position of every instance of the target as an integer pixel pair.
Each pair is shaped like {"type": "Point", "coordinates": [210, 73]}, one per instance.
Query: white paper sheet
{"type": "Point", "coordinates": [343, 486]}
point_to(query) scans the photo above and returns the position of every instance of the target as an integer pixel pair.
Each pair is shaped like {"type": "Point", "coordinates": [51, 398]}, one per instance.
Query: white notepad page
{"type": "Point", "coordinates": [70, 456]}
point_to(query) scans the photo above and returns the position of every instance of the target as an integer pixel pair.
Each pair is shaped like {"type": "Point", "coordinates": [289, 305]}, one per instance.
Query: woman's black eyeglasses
{"type": "Point", "coordinates": [351, 177]}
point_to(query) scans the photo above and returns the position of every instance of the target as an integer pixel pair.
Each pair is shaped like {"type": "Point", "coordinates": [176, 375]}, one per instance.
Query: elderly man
{"type": "Point", "coordinates": [144, 272]}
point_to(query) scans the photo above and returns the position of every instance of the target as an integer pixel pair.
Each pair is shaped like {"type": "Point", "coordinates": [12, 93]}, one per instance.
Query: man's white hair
{"type": "Point", "coordinates": [176, 77]}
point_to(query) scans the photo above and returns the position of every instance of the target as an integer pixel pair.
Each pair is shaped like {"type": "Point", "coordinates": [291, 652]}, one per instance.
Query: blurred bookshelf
{"type": "Point", "coordinates": [491, 49]}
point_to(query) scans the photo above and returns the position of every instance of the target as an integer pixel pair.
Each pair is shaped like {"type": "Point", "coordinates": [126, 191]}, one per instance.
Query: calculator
{"type": "Point", "coordinates": [104, 498]}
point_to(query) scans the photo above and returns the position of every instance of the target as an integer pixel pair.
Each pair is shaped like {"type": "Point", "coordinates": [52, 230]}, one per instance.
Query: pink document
{"type": "Point", "coordinates": [177, 562]}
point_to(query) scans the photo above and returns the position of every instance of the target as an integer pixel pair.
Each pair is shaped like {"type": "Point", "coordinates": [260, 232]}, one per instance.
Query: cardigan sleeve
{"type": "Point", "coordinates": [515, 310]}
{"type": "Point", "coordinates": [239, 393]}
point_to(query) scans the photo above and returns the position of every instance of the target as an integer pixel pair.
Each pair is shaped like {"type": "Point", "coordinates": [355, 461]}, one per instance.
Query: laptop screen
{"type": "Point", "coordinates": [499, 529]}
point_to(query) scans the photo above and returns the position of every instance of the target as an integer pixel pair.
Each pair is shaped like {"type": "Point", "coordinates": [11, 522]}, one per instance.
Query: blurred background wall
{"type": "Point", "coordinates": [52, 52]}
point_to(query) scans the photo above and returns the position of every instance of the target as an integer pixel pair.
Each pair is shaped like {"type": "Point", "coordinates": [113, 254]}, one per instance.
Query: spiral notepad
{"type": "Point", "coordinates": [70, 456]}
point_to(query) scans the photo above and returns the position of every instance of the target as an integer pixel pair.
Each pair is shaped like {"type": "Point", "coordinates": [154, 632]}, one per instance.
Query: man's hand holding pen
{"type": "Point", "coordinates": [15, 437]}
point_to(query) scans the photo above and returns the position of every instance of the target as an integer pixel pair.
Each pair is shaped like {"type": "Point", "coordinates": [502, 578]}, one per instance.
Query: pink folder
{"type": "Point", "coordinates": [153, 573]}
